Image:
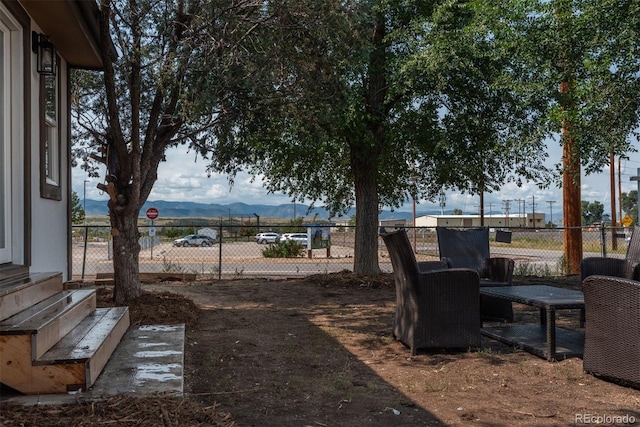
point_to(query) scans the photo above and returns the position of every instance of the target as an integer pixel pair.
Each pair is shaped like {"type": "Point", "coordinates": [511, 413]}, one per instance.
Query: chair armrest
{"type": "Point", "coordinates": [501, 269]}
{"type": "Point", "coordinates": [614, 267]}
{"type": "Point", "coordinates": [424, 266]}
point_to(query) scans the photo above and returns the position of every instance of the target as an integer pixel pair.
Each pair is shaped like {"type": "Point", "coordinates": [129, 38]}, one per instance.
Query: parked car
{"type": "Point", "coordinates": [282, 237]}
{"type": "Point", "coordinates": [301, 238]}
{"type": "Point", "coordinates": [264, 238]}
{"type": "Point", "coordinates": [194, 240]}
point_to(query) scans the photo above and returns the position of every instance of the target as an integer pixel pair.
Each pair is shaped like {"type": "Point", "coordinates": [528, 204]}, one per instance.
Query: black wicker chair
{"type": "Point", "coordinates": [469, 248]}
{"type": "Point", "coordinates": [612, 328]}
{"type": "Point", "coordinates": [615, 267]}
{"type": "Point", "coordinates": [435, 309]}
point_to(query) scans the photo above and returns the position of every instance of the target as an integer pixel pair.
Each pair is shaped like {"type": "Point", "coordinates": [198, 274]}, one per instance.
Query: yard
{"type": "Point", "coordinates": [318, 351]}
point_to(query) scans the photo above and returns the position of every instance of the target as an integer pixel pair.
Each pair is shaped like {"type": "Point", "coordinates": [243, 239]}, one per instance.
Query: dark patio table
{"type": "Point", "coordinates": [544, 340]}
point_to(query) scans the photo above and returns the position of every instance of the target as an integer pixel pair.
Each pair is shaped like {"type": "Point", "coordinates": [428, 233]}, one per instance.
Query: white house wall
{"type": "Point", "coordinates": [49, 225]}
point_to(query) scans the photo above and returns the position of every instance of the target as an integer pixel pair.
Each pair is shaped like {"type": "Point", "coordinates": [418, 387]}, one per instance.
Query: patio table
{"type": "Point", "coordinates": [544, 340]}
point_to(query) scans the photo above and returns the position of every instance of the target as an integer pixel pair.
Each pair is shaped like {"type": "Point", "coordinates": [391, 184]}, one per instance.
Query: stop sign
{"type": "Point", "coordinates": [152, 213]}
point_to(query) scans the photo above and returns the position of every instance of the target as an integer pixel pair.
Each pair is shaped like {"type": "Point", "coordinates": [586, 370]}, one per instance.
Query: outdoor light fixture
{"type": "Point", "coordinates": [46, 52]}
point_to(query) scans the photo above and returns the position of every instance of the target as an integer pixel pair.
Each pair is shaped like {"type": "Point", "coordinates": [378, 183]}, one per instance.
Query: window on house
{"type": "Point", "coordinates": [50, 152]}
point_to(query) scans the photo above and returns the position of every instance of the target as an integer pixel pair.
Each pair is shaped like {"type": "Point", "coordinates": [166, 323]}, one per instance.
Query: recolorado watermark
{"type": "Point", "coordinates": [604, 419]}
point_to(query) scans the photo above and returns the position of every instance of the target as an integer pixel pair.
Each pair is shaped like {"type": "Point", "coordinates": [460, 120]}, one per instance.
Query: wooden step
{"type": "Point", "coordinates": [92, 342]}
{"type": "Point", "coordinates": [51, 319]}
{"type": "Point", "coordinates": [75, 362]}
{"type": "Point", "coordinates": [17, 293]}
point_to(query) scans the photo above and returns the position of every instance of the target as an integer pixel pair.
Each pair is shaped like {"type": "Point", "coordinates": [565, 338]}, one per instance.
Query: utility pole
{"type": "Point", "coordinates": [443, 201]}
{"type": "Point", "coordinates": [637, 179]}
{"type": "Point", "coordinates": [520, 211]}
{"type": "Point", "coordinates": [619, 190]}
{"type": "Point", "coordinates": [533, 210]}
{"type": "Point", "coordinates": [507, 208]}
{"type": "Point", "coordinates": [612, 179]}
{"type": "Point", "coordinates": [551, 202]}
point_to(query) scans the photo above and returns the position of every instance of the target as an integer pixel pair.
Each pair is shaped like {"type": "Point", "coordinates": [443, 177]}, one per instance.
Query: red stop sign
{"type": "Point", "coordinates": [152, 213]}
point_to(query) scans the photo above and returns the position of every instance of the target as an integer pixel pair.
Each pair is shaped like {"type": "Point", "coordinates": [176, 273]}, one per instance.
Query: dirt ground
{"type": "Point", "coordinates": [318, 351]}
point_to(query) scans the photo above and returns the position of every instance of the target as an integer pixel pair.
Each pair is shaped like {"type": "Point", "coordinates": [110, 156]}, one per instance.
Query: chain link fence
{"type": "Point", "coordinates": [234, 251]}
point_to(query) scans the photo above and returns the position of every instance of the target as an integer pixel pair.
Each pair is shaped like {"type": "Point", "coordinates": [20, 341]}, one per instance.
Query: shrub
{"type": "Point", "coordinates": [286, 249]}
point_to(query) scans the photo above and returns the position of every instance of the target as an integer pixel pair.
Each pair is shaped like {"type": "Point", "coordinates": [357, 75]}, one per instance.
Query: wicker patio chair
{"type": "Point", "coordinates": [469, 248]}
{"type": "Point", "coordinates": [616, 267]}
{"type": "Point", "coordinates": [435, 309]}
{"type": "Point", "coordinates": [612, 329]}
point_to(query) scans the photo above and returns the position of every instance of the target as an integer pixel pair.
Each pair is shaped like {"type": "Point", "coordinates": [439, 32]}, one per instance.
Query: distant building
{"type": "Point", "coordinates": [392, 224]}
{"type": "Point", "coordinates": [536, 220]}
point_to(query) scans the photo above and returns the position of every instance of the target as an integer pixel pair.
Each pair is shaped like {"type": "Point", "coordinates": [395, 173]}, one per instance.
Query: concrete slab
{"type": "Point", "coordinates": [148, 361]}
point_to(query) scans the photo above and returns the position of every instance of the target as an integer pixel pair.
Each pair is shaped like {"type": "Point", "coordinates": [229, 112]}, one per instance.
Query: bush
{"type": "Point", "coordinates": [286, 249]}
{"type": "Point", "coordinates": [174, 233]}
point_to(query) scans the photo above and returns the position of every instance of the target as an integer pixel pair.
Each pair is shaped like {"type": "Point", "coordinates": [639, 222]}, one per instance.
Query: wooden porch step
{"type": "Point", "coordinates": [74, 363]}
{"type": "Point", "coordinates": [90, 343]}
{"type": "Point", "coordinates": [17, 293]}
{"type": "Point", "coordinates": [50, 319]}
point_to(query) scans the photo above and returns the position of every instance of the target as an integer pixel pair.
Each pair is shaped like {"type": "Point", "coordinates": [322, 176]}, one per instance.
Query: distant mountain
{"type": "Point", "coordinates": [212, 210]}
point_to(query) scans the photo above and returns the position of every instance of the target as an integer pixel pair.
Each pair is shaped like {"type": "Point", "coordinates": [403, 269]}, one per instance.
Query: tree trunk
{"type": "Point", "coordinates": [365, 258]}
{"type": "Point", "coordinates": [126, 254]}
{"type": "Point", "coordinates": [571, 206]}
{"type": "Point", "coordinates": [365, 156]}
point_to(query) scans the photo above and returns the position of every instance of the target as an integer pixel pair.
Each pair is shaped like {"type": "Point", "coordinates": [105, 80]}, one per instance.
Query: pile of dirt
{"type": "Point", "coordinates": [347, 279]}
{"type": "Point", "coordinates": [156, 308]}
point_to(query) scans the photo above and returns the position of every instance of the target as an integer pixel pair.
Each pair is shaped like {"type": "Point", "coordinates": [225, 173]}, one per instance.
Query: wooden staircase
{"type": "Point", "coordinates": [52, 339]}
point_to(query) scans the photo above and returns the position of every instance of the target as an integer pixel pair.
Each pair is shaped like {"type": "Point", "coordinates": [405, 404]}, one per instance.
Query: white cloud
{"type": "Point", "coordinates": [184, 178]}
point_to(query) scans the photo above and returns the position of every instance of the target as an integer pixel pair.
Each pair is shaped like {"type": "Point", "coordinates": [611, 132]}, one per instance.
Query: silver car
{"type": "Point", "coordinates": [264, 238]}
{"type": "Point", "coordinates": [194, 240]}
{"type": "Point", "coordinates": [301, 238]}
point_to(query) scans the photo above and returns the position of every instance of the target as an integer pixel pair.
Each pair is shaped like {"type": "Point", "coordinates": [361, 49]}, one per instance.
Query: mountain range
{"type": "Point", "coordinates": [212, 210]}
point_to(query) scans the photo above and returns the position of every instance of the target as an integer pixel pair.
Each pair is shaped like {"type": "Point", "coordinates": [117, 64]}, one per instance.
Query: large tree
{"type": "Point", "coordinates": [395, 100]}
{"type": "Point", "coordinates": [577, 65]}
{"type": "Point", "coordinates": [490, 134]}
{"type": "Point", "coordinates": [175, 73]}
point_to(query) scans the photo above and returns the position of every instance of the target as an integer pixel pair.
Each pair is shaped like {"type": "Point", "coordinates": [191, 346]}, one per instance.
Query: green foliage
{"type": "Point", "coordinates": [286, 249]}
{"type": "Point", "coordinates": [247, 230]}
{"type": "Point", "coordinates": [77, 211]}
{"type": "Point", "coordinates": [592, 212]}
{"type": "Point", "coordinates": [173, 233]}
{"type": "Point", "coordinates": [590, 46]}
{"type": "Point", "coordinates": [524, 269]}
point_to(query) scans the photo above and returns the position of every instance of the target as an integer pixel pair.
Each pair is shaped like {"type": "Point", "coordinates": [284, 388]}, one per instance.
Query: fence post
{"type": "Point", "coordinates": [220, 251]}
{"type": "Point", "coordinates": [603, 240]}
{"type": "Point", "coordinates": [84, 252]}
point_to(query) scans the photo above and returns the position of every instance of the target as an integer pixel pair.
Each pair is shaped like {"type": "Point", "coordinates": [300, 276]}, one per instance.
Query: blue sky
{"type": "Point", "coordinates": [183, 178]}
